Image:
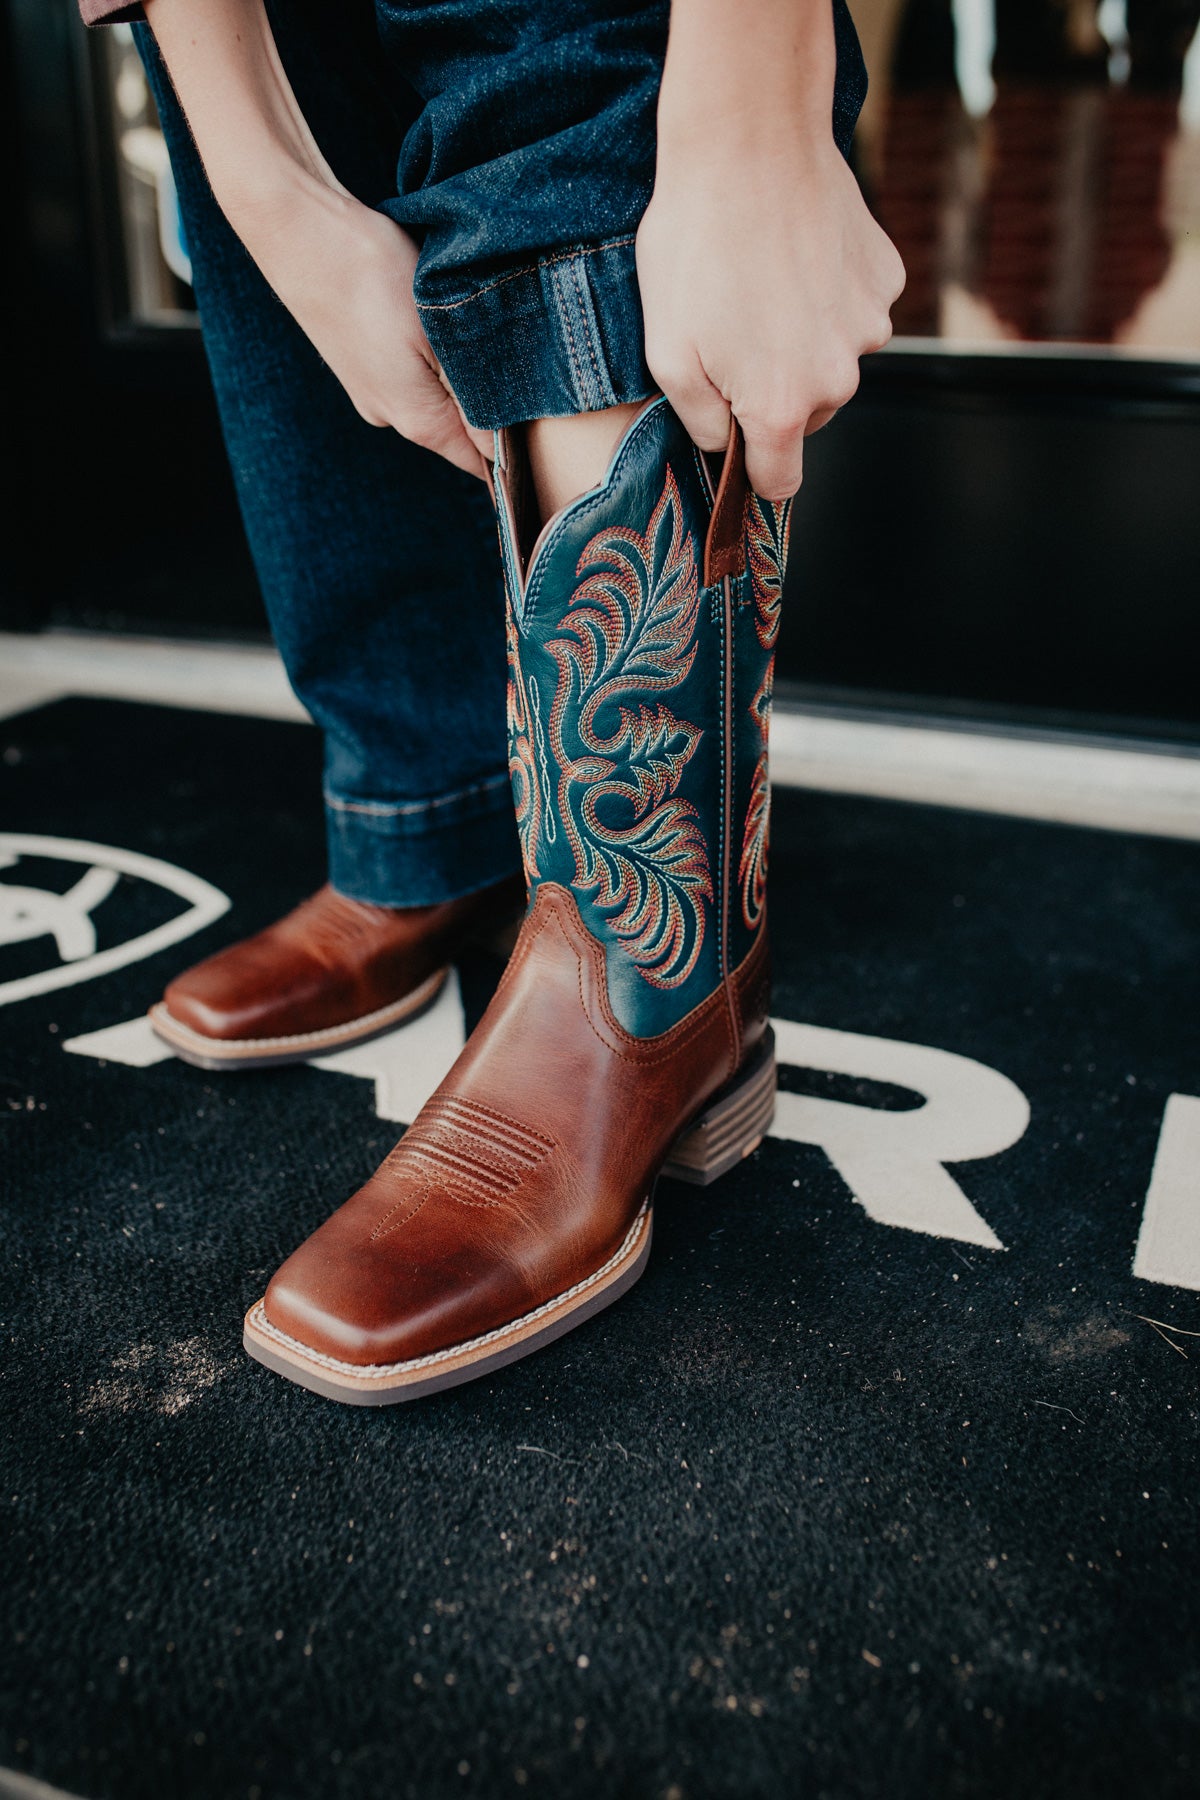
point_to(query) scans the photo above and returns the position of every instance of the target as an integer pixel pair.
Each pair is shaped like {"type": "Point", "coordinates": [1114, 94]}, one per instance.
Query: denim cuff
{"type": "Point", "coordinates": [419, 852]}
{"type": "Point", "coordinates": [561, 336]}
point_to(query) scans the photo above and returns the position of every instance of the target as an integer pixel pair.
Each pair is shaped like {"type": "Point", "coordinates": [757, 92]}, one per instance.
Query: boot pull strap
{"type": "Point", "coordinates": [725, 545]}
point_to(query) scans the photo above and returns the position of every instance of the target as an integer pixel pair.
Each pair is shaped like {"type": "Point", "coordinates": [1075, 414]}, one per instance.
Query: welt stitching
{"type": "Point", "coordinates": [545, 262]}
{"type": "Point", "coordinates": [380, 1371]}
{"type": "Point", "coordinates": [323, 1037]}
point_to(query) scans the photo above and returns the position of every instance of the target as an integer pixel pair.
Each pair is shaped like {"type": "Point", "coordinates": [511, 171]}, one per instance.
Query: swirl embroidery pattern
{"type": "Point", "coordinates": [766, 558]}
{"type": "Point", "coordinates": [527, 792]}
{"type": "Point", "coordinates": [638, 846]}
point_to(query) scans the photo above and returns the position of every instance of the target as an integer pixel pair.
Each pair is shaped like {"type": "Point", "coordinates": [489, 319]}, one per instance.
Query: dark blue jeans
{"type": "Point", "coordinates": [516, 143]}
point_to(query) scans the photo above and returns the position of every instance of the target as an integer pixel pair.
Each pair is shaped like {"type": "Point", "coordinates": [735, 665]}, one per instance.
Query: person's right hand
{"type": "Point", "coordinates": [345, 273]}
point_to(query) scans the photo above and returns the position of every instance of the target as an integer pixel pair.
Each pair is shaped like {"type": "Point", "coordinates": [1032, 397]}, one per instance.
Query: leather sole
{"type": "Point", "coordinates": [731, 1126]}
{"type": "Point", "coordinates": [205, 1052]}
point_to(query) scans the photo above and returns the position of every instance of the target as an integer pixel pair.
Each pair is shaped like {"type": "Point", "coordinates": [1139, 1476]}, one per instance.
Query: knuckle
{"type": "Point", "coordinates": [881, 335]}
{"type": "Point", "coordinates": [672, 372]}
{"type": "Point", "coordinates": [775, 427]}
{"type": "Point", "coordinates": [842, 382]}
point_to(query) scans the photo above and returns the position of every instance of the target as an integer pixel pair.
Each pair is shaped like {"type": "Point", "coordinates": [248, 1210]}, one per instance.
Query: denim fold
{"type": "Point", "coordinates": [516, 143]}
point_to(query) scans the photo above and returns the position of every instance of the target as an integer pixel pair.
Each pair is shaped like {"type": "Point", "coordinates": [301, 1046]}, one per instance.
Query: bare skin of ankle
{"type": "Point", "coordinates": [569, 456]}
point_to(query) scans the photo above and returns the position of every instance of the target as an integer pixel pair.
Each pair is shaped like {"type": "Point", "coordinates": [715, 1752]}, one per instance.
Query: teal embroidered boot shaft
{"type": "Point", "coordinates": [639, 713]}
{"type": "Point", "coordinates": [629, 1036]}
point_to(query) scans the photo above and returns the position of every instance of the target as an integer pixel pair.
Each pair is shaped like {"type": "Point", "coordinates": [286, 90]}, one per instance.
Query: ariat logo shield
{"type": "Point", "coordinates": [71, 910]}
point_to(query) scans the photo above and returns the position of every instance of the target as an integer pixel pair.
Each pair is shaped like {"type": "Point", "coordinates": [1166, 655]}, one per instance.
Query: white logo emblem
{"type": "Point", "coordinates": [66, 920]}
{"type": "Point", "coordinates": [896, 1165]}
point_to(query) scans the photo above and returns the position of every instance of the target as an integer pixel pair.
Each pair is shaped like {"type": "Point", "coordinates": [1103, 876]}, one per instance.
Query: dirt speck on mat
{"type": "Point", "coordinates": [1093, 1336]}
{"type": "Point", "coordinates": [162, 1378]}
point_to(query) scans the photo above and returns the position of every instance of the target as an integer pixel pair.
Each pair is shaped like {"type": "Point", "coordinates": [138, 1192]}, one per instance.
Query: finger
{"type": "Point", "coordinates": [774, 458]}
{"type": "Point", "coordinates": [441, 431]}
{"type": "Point", "coordinates": [820, 418]}
{"type": "Point", "coordinates": [458, 448]}
{"type": "Point", "coordinates": [433, 419]}
{"type": "Point", "coordinates": [702, 408]}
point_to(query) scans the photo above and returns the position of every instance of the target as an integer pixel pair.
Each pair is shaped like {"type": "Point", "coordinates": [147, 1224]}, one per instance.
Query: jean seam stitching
{"type": "Point", "coordinates": [545, 262]}
{"type": "Point", "coordinates": [565, 322]}
{"type": "Point", "coordinates": [604, 395]}
{"type": "Point", "coordinates": [389, 809]}
{"type": "Point", "coordinates": [571, 282]}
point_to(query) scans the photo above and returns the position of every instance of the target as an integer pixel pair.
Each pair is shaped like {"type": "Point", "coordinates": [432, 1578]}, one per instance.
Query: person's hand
{"type": "Point", "coordinates": [763, 281]}
{"type": "Point", "coordinates": [763, 275]}
{"type": "Point", "coordinates": [345, 273]}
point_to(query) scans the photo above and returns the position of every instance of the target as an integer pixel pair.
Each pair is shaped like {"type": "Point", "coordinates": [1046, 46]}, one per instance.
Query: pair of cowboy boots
{"type": "Point", "coordinates": [629, 1037]}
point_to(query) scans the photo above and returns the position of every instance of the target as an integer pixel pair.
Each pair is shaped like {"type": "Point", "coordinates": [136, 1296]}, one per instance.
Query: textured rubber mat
{"type": "Point", "coordinates": [880, 1483]}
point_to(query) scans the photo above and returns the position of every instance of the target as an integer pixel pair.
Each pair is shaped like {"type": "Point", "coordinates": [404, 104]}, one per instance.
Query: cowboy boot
{"type": "Point", "coordinates": [333, 973]}
{"type": "Point", "coordinates": [629, 1036]}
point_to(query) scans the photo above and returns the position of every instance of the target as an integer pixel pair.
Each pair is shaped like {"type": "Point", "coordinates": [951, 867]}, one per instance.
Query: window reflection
{"type": "Point", "coordinates": [1038, 164]}
{"type": "Point", "coordinates": [156, 271]}
{"type": "Point", "coordinates": [1036, 161]}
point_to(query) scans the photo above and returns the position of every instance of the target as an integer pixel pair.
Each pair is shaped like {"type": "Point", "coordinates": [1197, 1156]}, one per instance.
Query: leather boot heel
{"type": "Point", "coordinates": [732, 1125]}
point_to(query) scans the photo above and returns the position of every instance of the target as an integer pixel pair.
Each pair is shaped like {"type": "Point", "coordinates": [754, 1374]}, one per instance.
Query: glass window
{"type": "Point", "coordinates": [154, 271]}
{"type": "Point", "coordinates": [1037, 163]}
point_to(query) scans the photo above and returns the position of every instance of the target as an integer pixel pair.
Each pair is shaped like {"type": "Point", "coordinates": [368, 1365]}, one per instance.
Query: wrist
{"type": "Point", "coordinates": [280, 203]}
{"type": "Point", "coordinates": [261, 159]}
{"type": "Point", "coordinates": [756, 77]}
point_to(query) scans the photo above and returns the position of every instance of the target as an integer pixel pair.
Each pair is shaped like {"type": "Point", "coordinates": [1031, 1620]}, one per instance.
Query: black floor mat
{"type": "Point", "coordinates": [825, 1507]}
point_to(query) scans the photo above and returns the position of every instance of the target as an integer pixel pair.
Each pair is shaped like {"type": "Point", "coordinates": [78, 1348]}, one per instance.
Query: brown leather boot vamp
{"type": "Point", "coordinates": [520, 1201]}
{"type": "Point", "coordinates": [332, 973]}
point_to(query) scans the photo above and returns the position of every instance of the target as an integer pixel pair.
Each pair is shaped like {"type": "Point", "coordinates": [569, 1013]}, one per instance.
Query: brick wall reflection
{"type": "Point", "coordinates": [1064, 211]}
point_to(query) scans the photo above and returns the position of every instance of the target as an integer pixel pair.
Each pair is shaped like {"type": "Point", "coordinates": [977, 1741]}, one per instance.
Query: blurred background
{"type": "Point", "coordinates": [1004, 526]}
